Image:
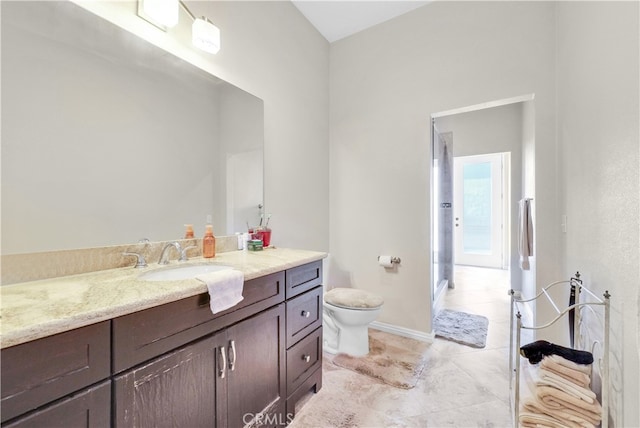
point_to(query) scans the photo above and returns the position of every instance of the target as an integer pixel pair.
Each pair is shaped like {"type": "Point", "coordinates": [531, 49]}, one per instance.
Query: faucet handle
{"type": "Point", "coordinates": [183, 253]}
{"type": "Point", "coordinates": [140, 261]}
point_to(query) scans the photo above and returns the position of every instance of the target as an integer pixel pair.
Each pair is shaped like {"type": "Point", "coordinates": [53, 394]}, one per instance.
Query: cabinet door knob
{"type": "Point", "coordinates": [306, 358]}
{"type": "Point", "coordinates": [223, 359]}
{"type": "Point", "coordinates": [232, 355]}
{"type": "Point", "coordinates": [305, 314]}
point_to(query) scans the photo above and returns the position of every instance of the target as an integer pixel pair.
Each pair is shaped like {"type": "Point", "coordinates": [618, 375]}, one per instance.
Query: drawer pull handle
{"type": "Point", "coordinates": [223, 359]}
{"type": "Point", "coordinates": [305, 314]}
{"type": "Point", "coordinates": [306, 358]}
{"type": "Point", "coordinates": [232, 356]}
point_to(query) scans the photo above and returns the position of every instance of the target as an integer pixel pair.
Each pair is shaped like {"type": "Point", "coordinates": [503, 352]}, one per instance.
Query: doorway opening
{"type": "Point", "coordinates": [482, 162]}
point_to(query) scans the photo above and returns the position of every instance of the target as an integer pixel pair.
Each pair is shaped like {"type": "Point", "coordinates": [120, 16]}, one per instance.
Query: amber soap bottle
{"type": "Point", "coordinates": [209, 243]}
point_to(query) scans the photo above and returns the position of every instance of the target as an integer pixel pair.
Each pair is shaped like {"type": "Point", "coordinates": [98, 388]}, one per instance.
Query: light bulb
{"type": "Point", "coordinates": [163, 12]}
{"type": "Point", "coordinates": [205, 35]}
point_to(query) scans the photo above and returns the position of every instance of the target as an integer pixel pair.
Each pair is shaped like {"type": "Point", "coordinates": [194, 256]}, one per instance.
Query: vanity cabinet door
{"type": "Point", "coordinates": [256, 370]}
{"type": "Point", "coordinates": [185, 388]}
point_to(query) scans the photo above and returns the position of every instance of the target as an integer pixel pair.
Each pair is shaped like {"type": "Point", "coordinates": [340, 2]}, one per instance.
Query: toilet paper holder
{"type": "Point", "coordinates": [394, 260]}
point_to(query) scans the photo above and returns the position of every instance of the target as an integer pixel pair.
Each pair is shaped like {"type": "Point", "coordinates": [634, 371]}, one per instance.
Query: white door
{"type": "Point", "coordinates": [478, 210]}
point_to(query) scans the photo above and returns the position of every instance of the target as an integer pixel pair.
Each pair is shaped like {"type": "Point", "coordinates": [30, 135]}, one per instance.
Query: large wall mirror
{"type": "Point", "coordinates": [107, 139]}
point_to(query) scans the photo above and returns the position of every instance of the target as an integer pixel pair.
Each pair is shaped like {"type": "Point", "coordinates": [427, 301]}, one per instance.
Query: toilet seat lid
{"type": "Point", "coordinates": [351, 298]}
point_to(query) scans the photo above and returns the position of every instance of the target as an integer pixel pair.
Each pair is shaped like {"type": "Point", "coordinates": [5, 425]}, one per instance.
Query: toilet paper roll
{"type": "Point", "coordinates": [385, 261]}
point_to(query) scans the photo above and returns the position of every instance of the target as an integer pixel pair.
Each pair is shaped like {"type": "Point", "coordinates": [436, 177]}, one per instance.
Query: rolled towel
{"type": "Point", "coordinates": [556, 399]}
{"type": "Point", "coordinates": [567, 416]}
{"type": "Point", "coordinates": [225, 288]}
{"type": "Point", "coordinates": [549, 378]}
{"type": "Point", "coordinates": [537, 350]}
{"type": "Point", "coordinates": [575, 376]}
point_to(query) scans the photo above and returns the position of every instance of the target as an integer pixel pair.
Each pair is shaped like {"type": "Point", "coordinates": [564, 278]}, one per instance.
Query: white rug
{"type": "Point", "coordinates": [461, 327]}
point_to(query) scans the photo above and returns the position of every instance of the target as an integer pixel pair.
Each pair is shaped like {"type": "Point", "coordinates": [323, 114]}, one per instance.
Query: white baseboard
{"type": "Point", "coordinates": [401, 331]}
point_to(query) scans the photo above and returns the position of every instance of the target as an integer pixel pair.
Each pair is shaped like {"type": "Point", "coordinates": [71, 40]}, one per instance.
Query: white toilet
{"type": "Point", "coordinates": [347, 314]}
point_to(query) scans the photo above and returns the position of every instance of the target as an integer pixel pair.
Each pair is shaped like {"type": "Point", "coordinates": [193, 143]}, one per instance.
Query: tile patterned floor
{"type": "Point", "coordinates": [461, 386]}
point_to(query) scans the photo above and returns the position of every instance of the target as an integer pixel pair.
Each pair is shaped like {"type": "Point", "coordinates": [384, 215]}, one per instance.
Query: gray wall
{"type": "Point", "coordinates": [385, 84]}
{"type": "Point", "coordinates": [580, 60]}
{"type": "Point", "coordinates": [599, 158]}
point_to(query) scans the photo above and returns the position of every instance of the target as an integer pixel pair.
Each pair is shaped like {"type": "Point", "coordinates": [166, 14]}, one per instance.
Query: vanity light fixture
{"type": "Point", "coordinates": [161, 13]}
{"type": "Point", "coordinates": [204, 35]}
{"type": "Point", "coordinates": [164, 14]}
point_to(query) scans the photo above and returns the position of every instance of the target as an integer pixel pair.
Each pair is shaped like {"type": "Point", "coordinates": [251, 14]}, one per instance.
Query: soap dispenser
{"type": "Point", "coordinates": [209, 243]}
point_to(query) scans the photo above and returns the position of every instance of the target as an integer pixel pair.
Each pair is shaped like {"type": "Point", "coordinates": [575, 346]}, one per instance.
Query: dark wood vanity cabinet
{"type": "Point", "coordinates": [177, 365]}
{"type": "Point", "coordinates": [228, 378]}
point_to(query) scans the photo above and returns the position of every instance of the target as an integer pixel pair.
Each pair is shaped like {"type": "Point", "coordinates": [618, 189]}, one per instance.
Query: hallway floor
{"type": "Point", "coordinates": [461, 386]}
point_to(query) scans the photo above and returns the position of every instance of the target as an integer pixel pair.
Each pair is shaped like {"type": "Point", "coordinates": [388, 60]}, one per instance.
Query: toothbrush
{"type": "Point", "coordinates": [266, 225]}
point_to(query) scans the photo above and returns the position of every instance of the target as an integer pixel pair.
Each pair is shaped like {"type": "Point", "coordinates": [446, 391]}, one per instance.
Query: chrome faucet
{"type": "Point", "coordinates": [164, 259]}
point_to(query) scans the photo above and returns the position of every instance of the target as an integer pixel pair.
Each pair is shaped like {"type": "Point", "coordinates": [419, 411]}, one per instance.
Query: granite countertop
{"type": "Point", "coordinates": [32, 310]}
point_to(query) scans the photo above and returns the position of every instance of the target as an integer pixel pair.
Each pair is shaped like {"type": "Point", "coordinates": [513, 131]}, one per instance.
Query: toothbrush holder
{"type": "Point", "coordinates": [265, 236]}
{"type": "Point", "coordinates": [261, 233]}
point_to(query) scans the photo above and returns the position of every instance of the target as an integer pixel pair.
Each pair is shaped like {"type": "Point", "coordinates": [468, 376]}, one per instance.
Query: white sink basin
{"type": "Point", "coordinates": [180, 272]}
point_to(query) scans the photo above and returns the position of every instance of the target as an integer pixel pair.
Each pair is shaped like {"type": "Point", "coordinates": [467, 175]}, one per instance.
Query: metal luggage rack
{"type": "Point", "coordinates": [575, 307]}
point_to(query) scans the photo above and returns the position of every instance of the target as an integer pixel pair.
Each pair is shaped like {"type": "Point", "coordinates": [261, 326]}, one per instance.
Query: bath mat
{"type": "Point", "coordinates": [461, 327]}
{"type": "Point", "coordinates": [395, 360]}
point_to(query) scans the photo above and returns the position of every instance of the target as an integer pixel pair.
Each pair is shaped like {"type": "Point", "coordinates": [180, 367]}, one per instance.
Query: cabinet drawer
{"type": "Point", "coordinates": [304, 314]}
{"type": "Point", "coordinates": [303, 359]}
{"type": "Point", "coordinates": [146, 334]}
{"type": "Point", "coordinates": [46, 369]}
{"type": "Point", "coordinates": [303, 278]}
{"type": "Point", "coordinates": [90, 408]}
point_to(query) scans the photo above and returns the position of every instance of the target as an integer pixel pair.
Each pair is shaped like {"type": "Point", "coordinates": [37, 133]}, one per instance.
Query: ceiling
{"type": "Point", "coordinates": [336, 19]}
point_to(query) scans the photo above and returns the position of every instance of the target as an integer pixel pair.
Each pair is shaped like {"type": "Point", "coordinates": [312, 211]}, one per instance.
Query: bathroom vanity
{"type": "Point", "coordinates": [164, 359]}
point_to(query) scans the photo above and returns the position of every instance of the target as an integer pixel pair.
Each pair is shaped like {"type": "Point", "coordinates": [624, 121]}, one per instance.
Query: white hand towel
{"type": "Point", "coordinates": [225, 288]}
{"type": "Point", "coordinates": [525, 233]}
